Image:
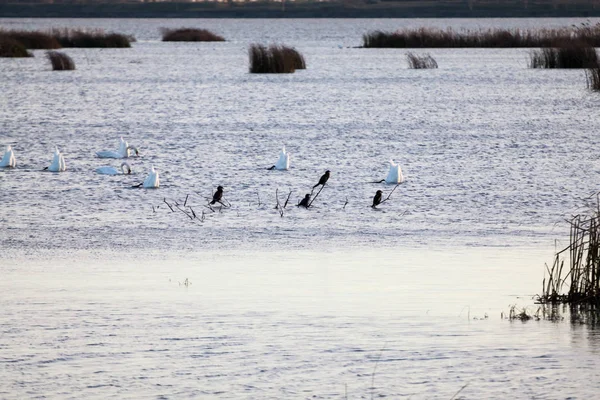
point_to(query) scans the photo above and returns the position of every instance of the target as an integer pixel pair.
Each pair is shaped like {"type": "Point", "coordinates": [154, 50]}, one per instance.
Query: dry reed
{"type": "Point", "coordinates": [577, 282]}
{"type": "Point", "coordinates": [32, 39]}
{"type": "Point", "coordinates": [60, 61]}
{"type": "Point", "coordinates": [416, 61]}
{"type": "Point", "coordinates": [572, 55]}
{"type": "Point", "coordinates": [593, 78]}
{"type": "Point", "coordinates": [12, 48]}
{"type": "Point", "coordinates": [430, 37]}
{"type": "Point", "coordinates": [96, 38]}
{"type": "Point", "coordinates": [274, 59]}
{"type": "Point", "coordinates": [189, 35]}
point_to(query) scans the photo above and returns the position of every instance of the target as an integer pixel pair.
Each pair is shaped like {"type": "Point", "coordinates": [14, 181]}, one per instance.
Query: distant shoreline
{"type": "Point", "coordinates": [345, 9]}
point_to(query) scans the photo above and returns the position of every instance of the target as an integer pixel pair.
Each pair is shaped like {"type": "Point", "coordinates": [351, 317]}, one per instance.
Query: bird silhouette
{"type": "Point", "coordinates": [323, 179]}
{"type": "Point", "coordinates": [218, 195]}
{"type": "Point", "coordinates": [305, 201]}
{"type": "Point", "coordinates": [377, 198]}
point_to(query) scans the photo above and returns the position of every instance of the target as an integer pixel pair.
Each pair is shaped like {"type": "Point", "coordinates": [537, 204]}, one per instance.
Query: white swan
{"type": "Point", "coordinates": [9, 158]}
{"type": "Point", "coordinates": [283, 164]}
{"type": "Point", "coordinates": [152, 180]}
{"type": "Point", "coordinates": [125, 151]}
{"type": "Point", "coordinates": [124, 170]}
{"type": "Point", "coordinates": [395, 174]}
{"type": "Point", "coordinates": [58, 162]}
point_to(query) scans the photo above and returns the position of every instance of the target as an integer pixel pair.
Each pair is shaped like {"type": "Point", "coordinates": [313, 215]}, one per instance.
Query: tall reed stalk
{"type": "Point", "coordinates": [577, 281]}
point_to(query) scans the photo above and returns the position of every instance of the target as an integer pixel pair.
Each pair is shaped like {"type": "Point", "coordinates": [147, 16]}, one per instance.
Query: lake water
{"type": "Point", "coordinates": [333, 302]}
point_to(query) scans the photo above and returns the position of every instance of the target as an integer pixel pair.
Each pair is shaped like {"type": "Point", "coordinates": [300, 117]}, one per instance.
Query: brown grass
{"type": "Point", "coordinates": [190, 35]}
{"type": "Point", "coordinates": [32, 39]}
{"type": "Point", "coordinates": [430, 37]}
{"type": "Point", "coordinates": [275, 59]}
{"type": "Point", "coordinates": [12, 48]}
{"type": "Point", "coordinates": [416, 61]}
{"type": "Point", "coordinates": [571, 55]}
{"type": "Point", "coordinates": [96, 38]}
{"type": "Point", "coordinates": [593, 78]}
{"type": "Point", "coordinates": [60, 61]}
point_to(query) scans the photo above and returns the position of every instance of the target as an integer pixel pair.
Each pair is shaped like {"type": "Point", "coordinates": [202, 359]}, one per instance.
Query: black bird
{"type": "Point", "coordinates": [218, 195]}
{"type": "Point", "coordinates": [377, 198]}
{"type": "Point", "coordinates": [305, 201]}
{"type": "Point", "coordinates": [323, 179]}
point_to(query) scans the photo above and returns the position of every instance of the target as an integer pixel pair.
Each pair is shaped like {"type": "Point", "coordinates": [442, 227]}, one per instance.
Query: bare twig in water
{"type": "Point", "coordinates": [153, 210]}
{"type": "Point", "coordinates": [390, 195]}
{"type": "Point", "coordinates": [165, 200]}
{"type": "Point", "coordinates": [459, 390]}
{"type": "Point", "coordinates": [278, 206]}
{"type": "Point", "coordinates": [346, 203]}
{"type": "Point", "coordinates": [288, 199]}
{"type": "Point", "coordinates": [193, 213]}
{"type": "Point", "coordinates": [186, 197]}
{"type": "Point", "coordinates": [375, 370]}
{"type": "Point", "coordinates": [316, 195]}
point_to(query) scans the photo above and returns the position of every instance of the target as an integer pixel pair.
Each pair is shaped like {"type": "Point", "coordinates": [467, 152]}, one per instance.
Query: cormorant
{"type": "Point", "coordinates": [323, 179]}
{"type": "Point", "coordinates": [218, 195]}
{"type": "Point", "coordinates": [377, 198]}
{"type": "Point", "coordinates": [305, 201]}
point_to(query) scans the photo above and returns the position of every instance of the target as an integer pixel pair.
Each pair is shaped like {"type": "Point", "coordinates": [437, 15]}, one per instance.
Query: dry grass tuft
{"type": "Point", "coordinates": [12, 48]}
{"type": "Point", "coordinates": [32, 39]}
{"type": "Point", "coordinates": [96, 38]}
{"type": "Point", "coordinates": [275, 59]}
{"type": "Point", "coordinates": [60, 61]}
{"type": "Point", "coordinates": [190, 35]}
{"type": "Point", "coordinates": [571, 55]}
{"type": "Point", "coordinates": [420, 62]}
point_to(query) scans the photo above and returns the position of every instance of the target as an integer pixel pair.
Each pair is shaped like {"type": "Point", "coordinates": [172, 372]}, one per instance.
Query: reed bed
{"type": "Point", "coordinates": [12, 48]}
{"type": "Point", "coordinates": [60, 61]}
{"type": "Point", "coordinates": [593, 78]}
{"type": "Point", "coordinates": [96, 38]}
{"type": "Point", "coordinates": [190, 35]}
{"type": "Point", "coordinates": [32, 39]}
{"type": "Point", "coordinates": [275, 59]}
{"type": "Point", "coordinates": [572, 55]}
{"type": "Point", "coordinates": [425, 61]}
{"type": "Point", "coordinates": [577, 282]}
{"type": "Point", "coordinates": [499, 38]}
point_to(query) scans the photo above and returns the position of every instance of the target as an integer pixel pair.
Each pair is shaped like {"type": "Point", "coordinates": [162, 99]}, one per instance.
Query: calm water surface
{"type": "Point", "coordinates": [309, 305]}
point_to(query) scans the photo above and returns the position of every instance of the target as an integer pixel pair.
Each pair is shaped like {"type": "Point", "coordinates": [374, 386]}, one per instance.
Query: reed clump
{"type": "Point", "coordinates": [12, 48]}
{"type": "Point", "coordinates": [275, 59]}
{"type": "Point", "coordinates": [425, 61]}
{"type": "Point", "coordinates": [60, 61]}
{"type": "Point", "coordinates": [499, 38]}
{"type": "Point", "coordinates": [96, 38]}
{"type": "Point", "coordinates": [593, 78]}
{"type": "Point", "coordinates": [32, 39]}
{"type": "Point", "coordinates": [190, 35]}
{"type": "Point", "coordinates": [571, 55]}
{"type": "Point", "coordinates": [578, 280]}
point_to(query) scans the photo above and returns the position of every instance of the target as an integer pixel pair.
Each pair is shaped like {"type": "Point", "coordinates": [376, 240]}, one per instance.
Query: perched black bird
{"type": "Point", "coordinates": [377, 198]}
{"type": "Point", "coordinates": [323, 179]}
{"type": "Point", "coordinates": [218, 195]}
{"type": "Point", "coordinates": [305, 201]}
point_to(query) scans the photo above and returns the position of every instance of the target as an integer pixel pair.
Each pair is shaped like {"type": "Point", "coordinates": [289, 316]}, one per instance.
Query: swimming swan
{"type": "Point", "coordinates": [125, 151]}
{"type": "Point", "coordinates": [9, 158]}
{"type": "Point", "coordinates": [283, 164]}
{"type": "Point", "coordinates": [152, 180]}
{"type": "Point", "coordinates": [58, 162]}
{"type": "Point", "coordinates": [395, 174]}
{"type": "Point", "coordinates": [124, 170]}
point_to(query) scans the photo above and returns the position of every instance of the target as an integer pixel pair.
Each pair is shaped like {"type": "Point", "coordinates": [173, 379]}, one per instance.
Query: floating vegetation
{"type": "Point", "coordinates": [32, 39]}
{"type": "Point", "coordinates": [275, 59]}
{"type": "Point", "coordinates": [190, 35]}
{"type": "Point", "coordinates": [416, 61]}
{"type": "Point", "coordinates": [593, 78]}
{"type": "Point", "coordinates": [577, 281]}
{"type": "Point", "coordinates": [574, 55]}
{"type": "Point", "coordinates": [12, 48]}
{"type": "Point", "coordinates": [60, 61]}
{"type": "Point", "coordinates": [499, 38]}
{"type": "Point", "coordinates": [96, 38]}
